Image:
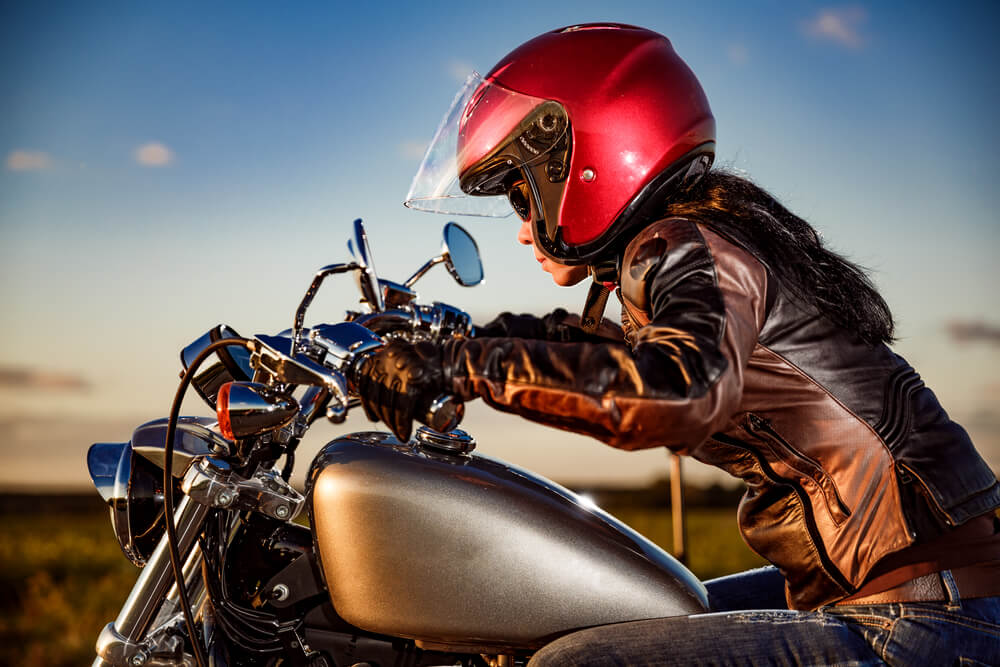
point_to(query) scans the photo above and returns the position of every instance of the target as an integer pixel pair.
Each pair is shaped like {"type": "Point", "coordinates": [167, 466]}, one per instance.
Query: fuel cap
{"type": "Point", "coordinates": [452, 442]}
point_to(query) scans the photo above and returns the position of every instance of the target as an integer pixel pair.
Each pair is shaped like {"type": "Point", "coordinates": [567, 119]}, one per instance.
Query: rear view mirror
{"type": "Point", "coordinates": [367, 277]}
{"type": "Point", "coordinates": [461, 255]}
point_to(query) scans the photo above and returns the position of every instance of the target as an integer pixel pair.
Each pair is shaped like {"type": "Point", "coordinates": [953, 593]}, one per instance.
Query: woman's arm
{"type": "Point", "coordinates": [680, 381]}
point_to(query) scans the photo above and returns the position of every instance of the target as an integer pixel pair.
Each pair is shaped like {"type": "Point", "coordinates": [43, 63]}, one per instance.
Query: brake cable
{"type": "Point", "coordinates": [168, 486]}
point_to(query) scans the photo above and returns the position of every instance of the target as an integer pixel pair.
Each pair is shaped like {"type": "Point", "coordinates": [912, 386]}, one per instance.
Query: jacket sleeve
{"type": "Point", "coordinates": [558, 326]}
{"type": "Point", "coordinates": [700, 301]}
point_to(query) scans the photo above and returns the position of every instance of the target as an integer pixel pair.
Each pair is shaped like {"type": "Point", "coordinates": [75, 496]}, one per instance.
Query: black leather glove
{"type": "Point", "coordinates": [398, 382]}
{"type": "Point", "coordinates": [558, 326]}
{"type": "Point", "coordinates": [509, 325]}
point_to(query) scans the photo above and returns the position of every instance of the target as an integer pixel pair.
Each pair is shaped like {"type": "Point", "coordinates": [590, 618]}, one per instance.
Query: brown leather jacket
{"type": "Point", "coordinates": [846, 455]}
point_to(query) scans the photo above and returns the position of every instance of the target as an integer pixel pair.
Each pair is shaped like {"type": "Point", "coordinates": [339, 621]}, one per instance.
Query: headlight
{"type": "Point", "coordinates": [133, 489]}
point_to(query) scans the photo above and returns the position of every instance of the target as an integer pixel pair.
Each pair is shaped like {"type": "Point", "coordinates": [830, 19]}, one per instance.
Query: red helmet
{"type": "Point", "coordinates": [586, 130]}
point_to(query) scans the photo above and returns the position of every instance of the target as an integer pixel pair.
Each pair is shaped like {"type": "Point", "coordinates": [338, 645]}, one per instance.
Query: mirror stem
{"type": "Point", "coordinates": [422, 270]}
{"type": "Point", "coordinates": [300, 313]}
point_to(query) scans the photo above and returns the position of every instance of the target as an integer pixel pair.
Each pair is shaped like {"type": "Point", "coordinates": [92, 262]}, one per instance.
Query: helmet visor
{"type": "Point", "coordinates": [488, 136]}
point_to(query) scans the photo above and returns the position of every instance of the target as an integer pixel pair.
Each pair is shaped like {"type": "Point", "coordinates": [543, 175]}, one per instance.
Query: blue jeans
{"type": "Point", "coordinates": [739, 632]}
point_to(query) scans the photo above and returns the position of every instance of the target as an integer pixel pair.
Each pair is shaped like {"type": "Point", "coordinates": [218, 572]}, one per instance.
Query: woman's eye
{"type": "Point", "coordinates": [518, 197]}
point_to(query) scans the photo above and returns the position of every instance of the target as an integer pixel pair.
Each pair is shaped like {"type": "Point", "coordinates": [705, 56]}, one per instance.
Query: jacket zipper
{"type": "Point", "coordinates": [760, 427]}
{"type": "Point", "coordinates": [907, 476]}
{"type": "Point", "coordinates": [824, 559]}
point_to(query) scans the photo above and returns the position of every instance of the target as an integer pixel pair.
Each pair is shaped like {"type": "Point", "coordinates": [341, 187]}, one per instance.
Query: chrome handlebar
{"type": "Point", "coordinates": [328, 355]}
{"type": "Point", "coordinates": [436, 322]}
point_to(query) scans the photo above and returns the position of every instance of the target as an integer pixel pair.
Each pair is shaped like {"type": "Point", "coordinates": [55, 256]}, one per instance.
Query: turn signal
{"type": "Point", "coordinates": [246, 409]}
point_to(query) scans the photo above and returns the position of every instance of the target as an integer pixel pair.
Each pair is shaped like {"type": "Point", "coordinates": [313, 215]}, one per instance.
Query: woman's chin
{"type": "Point", "coordinates": [567, 277]}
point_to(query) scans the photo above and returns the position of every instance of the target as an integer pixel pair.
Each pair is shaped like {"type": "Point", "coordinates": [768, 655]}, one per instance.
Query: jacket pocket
{"type": "Point", "coordinates": [809, 469]}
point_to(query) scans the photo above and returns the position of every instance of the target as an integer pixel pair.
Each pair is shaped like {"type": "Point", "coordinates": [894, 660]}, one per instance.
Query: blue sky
{"type": "Point", "coordinates": [167, 167]}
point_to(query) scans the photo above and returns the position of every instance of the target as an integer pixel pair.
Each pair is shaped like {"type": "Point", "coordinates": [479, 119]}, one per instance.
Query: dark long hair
{"type": "Point", "coordinates": [791, 249]}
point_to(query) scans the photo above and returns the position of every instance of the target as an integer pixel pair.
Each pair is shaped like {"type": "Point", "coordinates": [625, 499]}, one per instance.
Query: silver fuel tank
{"type": "Point", "coordinates": [464, 552]}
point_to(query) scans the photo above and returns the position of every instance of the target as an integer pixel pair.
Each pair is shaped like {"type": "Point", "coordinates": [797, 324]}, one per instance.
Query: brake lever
{"type": "Point", "coordinates": [274, 357]}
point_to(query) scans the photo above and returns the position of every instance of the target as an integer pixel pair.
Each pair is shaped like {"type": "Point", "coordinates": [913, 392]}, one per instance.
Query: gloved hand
{"type": "Point", "coordinates": [509, 325]}
{"type": "Point", "coordinates": [558, 326]}
{"type": "Point", "coordinates": [398, 382]}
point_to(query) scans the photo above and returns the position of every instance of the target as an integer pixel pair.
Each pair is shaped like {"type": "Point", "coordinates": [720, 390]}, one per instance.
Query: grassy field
{"type": "Point", "coordinates": [63, 577]}
{"type": "Point", "coordinates": [715, 548]}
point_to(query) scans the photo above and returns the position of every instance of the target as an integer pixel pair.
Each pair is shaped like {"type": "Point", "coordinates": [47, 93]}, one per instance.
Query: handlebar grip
{"type": "Point", "coordinates": [445, 413]}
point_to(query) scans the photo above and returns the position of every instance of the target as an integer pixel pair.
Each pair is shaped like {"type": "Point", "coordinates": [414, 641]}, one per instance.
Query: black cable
{"type": "Point", "coordinates": [168, 487]}
{"type": "Point", "coordinates": [286, 470]}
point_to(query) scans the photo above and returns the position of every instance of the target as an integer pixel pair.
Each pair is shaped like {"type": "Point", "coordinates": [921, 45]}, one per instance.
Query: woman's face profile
{"type": "Point", "coordinates": [562, 275]}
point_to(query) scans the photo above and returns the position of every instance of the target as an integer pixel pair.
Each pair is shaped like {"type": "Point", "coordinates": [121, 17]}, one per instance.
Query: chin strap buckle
{"type": "Point", "coordinates": [593, 308]}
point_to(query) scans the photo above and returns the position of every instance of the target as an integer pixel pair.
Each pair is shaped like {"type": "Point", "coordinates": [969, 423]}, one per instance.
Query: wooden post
{"type": "Point", "coordinates": [678, 516]}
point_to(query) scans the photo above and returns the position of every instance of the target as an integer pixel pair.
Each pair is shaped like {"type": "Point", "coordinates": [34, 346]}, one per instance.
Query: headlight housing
{"type": "Point", "coordinates": [133, 489]}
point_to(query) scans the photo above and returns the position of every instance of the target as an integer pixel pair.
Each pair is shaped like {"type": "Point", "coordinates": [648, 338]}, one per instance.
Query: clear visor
{"type": "Point", "coordinates": [488, 135]}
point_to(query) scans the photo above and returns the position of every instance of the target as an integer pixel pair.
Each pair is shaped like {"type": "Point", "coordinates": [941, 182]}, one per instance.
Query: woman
{"type": "Point", "coordinates": [747, 345]}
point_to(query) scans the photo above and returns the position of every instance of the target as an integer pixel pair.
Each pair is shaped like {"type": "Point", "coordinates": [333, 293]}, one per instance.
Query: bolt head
{"type": "Point", "coordinates": [138, 660]}
{"type": "Point", "coordinates": [225, 498]}
{"type": "Point", "coordinates": [280, 593]}
{"type": "Point", "coordinates": [588, 175]}
{"type": "Point", "coordinates": [281, 511]}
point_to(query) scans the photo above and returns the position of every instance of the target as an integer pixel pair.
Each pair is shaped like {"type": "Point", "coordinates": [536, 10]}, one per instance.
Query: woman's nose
{"type": "Point", "coordinates": [524, 233]}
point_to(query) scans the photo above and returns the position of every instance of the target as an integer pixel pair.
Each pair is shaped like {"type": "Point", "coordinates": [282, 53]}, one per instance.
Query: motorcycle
{"type": "Point", "coordinates": [424, 552]}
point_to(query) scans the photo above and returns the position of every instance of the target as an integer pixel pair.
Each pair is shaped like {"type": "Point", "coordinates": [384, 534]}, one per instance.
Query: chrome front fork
{"type": "Point", "coordinates": [124, 643]}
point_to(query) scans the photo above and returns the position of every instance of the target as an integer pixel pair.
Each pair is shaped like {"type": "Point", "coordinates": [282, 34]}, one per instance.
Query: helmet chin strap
{"type": "Point", "coordinates": [593, 307]}
{"type": "Point", "coordinates": [597, 297]}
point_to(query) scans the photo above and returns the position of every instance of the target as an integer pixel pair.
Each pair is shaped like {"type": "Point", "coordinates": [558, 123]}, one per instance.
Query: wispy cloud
{"type": "Point", "coordinates": [840, 25]}
{"type": "Point", "coordinates": [460, 70]}
{"type": "Point", "coordinates": [738, 54]}
{"type": "Point", "coordinates": [153, 154]}
{"type": "Point", "coordinates": [27, 160]}
{"type": "Point", "coordinates": [412, 150]}
{"type": "Point", "coordinates": [36, 380]}
{"type": "Point", "coordinates": [965, 331]}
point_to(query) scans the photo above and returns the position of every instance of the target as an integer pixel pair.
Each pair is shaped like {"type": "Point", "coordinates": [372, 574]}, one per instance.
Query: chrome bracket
{"type": "Point", "coordinates": [294, 640]}
{"type": "Point", "coordinates": [213, 484]}
{"type": "Point", "coordinates": [115, 649]}
{"type": "Point", "coordinates": [342, 343]}
{"type": "Point", "coordinates": [164, 647]}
